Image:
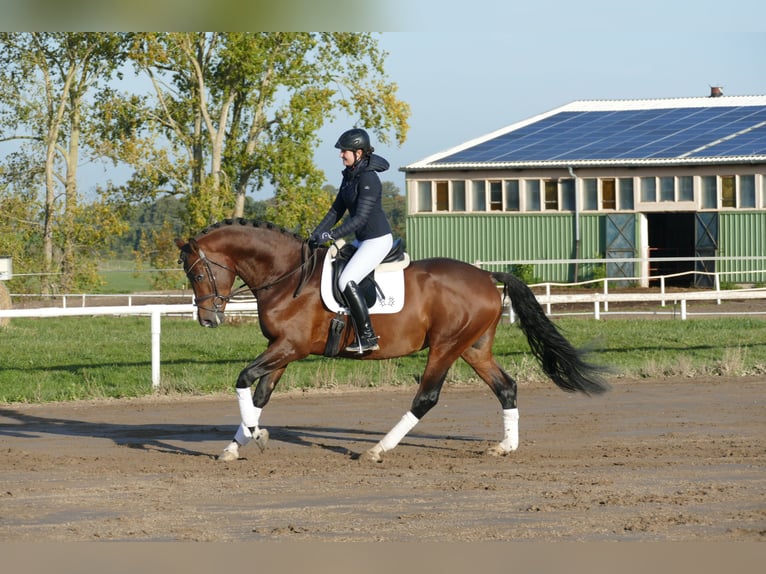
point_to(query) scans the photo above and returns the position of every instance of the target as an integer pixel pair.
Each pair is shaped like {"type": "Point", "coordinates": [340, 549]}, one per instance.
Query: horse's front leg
{"type": "Point", "coordinates": [267, 369]}
{"type": "Point", "coordinates": [250, 408]}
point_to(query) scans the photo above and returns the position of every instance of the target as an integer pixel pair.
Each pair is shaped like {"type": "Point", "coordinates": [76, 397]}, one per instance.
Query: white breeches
{"type": "Point", "coordinates": [368, 256]}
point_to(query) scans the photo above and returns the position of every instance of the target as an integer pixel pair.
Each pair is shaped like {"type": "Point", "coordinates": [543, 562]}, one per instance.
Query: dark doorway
{"type": "Point", "coordinates": [671, 235]}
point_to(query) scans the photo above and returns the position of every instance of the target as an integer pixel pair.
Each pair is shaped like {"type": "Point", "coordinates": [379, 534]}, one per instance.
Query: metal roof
{"type": "Point", "coordinates": [679, 131]}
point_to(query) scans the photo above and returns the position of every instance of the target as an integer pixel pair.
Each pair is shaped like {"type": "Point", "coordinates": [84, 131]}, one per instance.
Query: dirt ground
{"type": "Point", "coordinates": [656, 460]}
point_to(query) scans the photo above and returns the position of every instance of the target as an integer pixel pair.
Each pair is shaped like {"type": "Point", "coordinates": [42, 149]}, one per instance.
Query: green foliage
{"type": "Point", "coordinates": [525, 272]}
{"type": "Point", "coordinates": [226, 113]}
{"type": "Point", "coordinates": [395, 206]}
{"type": "Point", "coordinates": [49, 81]}
{"type": "Point", "coordinates": [97, 357]}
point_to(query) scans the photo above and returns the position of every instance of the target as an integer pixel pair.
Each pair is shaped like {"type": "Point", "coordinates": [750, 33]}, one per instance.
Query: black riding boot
{"type": "Point", "coordinates": [361, 316]}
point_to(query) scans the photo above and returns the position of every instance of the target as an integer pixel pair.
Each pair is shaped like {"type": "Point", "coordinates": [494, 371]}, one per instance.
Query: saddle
{"type": "Point", "coordinates": [367, 286]}
{"type": "Point", "coordinates": [387, 298]}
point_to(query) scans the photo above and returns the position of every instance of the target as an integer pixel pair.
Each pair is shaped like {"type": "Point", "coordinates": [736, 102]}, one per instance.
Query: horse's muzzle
{"type": "Point", "coordinates": [211, 320]}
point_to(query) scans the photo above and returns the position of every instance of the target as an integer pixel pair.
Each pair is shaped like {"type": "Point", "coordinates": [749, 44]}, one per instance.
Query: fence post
{"type": "Point", "coordinates": [596, 310]}
{"type": "Point", "coordinates": [717, 285]}
{"type": "Point", "coordinates": [606, 294]}
{"type": "Point", "coordinates": [683, 309]}
{"type": "Point", "coordinates": [156, 330]}
{"type": "Point", "coordinates": [548, 295]}
{"type": "Point", "coordinates": [662, 290]}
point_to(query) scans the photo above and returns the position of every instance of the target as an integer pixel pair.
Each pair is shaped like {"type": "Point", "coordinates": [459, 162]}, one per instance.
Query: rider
{"type": "Point", "coordinates": [360, 193]}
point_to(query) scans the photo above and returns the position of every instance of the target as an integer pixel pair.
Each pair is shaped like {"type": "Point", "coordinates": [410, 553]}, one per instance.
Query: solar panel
{"type": "Point", "coordinates": [666, 132]}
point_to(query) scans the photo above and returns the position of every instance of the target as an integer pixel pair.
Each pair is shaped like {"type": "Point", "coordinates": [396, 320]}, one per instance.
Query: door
{"type": "Point", "coordinates": [705, 245]}
{"type": "Point", "coordinates": [620, 234]}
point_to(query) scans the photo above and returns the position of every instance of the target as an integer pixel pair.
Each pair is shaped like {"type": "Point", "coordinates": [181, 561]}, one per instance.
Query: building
{"type": "Point", "coordinates": [668, 178]}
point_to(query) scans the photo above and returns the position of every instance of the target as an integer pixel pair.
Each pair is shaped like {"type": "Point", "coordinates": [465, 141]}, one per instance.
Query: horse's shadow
{"type": "Point", "coordinates": [158, 437]}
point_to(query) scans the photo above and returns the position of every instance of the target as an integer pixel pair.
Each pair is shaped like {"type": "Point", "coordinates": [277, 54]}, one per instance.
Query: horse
{"type": "Point", "coordinates": [451, 307]}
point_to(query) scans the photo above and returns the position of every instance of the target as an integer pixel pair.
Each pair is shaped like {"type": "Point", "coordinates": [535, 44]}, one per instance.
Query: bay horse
{"type": "Point", "coordinates": [451, 307]}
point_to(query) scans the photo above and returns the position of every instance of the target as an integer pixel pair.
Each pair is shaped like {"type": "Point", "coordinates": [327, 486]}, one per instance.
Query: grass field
{"type": "Point", "coordinates": [122, 276]}
{"type": "Point", "coordinates": [99, 357]}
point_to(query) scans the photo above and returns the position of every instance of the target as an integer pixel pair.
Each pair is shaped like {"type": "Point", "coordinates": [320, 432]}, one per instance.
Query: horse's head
{"type": "Point", "coordinates": [211, 281]}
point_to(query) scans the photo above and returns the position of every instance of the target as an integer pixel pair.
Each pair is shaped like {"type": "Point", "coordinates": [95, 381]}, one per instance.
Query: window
{"type": "Point", "coordinates": [709, 192]}
{"type": "Point", "coordinates": [424, 196]}
{"type": "Point", "coordinates": [495, 196]}
{"type": "Point", "coordinates": [625, 192]}
{"type": "Point", "coordinates": [442, 196]}
{"type": "Point", "coordinates": [532, 188]}
{"type": "Point", "coordinates": [589, 194]}
{"type": "Point", "coordinates": [648, 189]}
{"type": "Point", "coordinates": [551, 195]}
{"type": "Point", "coordinates": [608, 194]}
{"type": "Point", "coordinates": [458, 195]}
{"type": "Point", "coordinates": [512, 198]}
{"type": "Point", "coordinates": [568, 195]}
{"type": "Point", "coordinates": [479, 196]}
{"type": "Point", "coordinates": [667, 189]}
{"type": "Point", "coordinates": [728, 191]}
{"type": "Point", "coordinates": [747, 191]}
{"type": "Point", "coordinates": [685, 188]}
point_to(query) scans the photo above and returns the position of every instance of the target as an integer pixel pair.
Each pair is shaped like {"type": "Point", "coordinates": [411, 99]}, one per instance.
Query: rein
{"type": "Point", "coordinates": [307, 267]}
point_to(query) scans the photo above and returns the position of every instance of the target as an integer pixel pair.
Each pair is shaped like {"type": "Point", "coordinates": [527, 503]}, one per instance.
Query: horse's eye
{"type": "Point", "coordinates": [199, 278]}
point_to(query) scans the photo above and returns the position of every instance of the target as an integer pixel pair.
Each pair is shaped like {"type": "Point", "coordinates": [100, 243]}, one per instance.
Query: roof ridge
{"type": "Point", "coordinates": [655, 103]}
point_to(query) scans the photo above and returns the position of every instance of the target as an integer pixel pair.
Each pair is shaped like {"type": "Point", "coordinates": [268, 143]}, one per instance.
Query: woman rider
{"type": "Point", "coordinates": [360, 194]}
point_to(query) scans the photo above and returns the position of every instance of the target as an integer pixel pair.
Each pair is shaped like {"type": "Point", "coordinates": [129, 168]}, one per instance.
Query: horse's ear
{"type": "Point", "coordinates": [180, 243]}
{"type": "Point", "coordinates": [193, 246]}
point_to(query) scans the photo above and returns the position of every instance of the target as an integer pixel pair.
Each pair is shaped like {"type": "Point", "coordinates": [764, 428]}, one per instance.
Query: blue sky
{"type": "Point", "coordinates": [471, 67]}
{"type": "Point", "coordinates": [462, 83]}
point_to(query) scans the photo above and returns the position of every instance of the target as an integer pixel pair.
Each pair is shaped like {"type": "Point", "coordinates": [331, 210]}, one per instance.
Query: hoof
{"type": "Point", "coordinates": [373, 455]}
{"type": "Point", "coordinates": [498, 450]}
{"type": "Point", "coordinates": [261, 439]}
{"type": "Point", "coordinates": [230, 453]}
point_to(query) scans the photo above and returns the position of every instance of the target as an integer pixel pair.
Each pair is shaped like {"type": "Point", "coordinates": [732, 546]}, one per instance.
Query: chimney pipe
{"type": "Point", "coordinates": [716, 91]}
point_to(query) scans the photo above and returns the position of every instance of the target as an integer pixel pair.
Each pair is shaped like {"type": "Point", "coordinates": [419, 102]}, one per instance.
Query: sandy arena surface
{"type": "Point", "coordinates": [656, 460]}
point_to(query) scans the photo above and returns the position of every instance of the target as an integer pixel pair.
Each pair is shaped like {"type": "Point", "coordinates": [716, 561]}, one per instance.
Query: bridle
{"type": "Point", "coordinates": [307, 266]}
{"type": "Point", "coordinates": [218, 300]}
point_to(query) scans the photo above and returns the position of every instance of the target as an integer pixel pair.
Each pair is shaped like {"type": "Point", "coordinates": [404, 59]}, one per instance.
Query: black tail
{"type": "Point", "coordinates": [559, 359]}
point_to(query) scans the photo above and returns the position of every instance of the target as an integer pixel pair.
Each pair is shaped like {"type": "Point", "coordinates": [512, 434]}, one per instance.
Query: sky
{"type": "Point", "coordinates": [468, 68]}
{"type": "Point", "coordinates": [462, 84]}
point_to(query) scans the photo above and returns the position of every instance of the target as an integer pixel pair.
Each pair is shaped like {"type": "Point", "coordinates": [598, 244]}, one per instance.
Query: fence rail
{"type": "Point", "coordinates": [154, 311]}
{"type": "Point", "coordinates": [597, 299]}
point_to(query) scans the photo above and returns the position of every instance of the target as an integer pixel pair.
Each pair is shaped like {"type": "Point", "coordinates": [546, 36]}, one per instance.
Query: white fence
{"type": "Point", "coordinates": [154, 311]}
{"type": "Point", "coordinates": [598, 300]}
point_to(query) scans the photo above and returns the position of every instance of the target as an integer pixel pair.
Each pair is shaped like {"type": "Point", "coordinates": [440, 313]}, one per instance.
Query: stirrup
{"type": "Point", "coordinates": [360, 347]}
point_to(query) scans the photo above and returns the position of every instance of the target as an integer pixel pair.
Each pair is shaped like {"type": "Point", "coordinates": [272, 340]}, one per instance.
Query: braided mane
{"type": "Point", "coordinates": [247, 222]}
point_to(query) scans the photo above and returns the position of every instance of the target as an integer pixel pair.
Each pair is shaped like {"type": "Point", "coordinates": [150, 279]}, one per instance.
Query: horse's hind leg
{"type": "Point", "coordinates": [480, 357]}
{"type": "Point", "coordinates": [437, 366]}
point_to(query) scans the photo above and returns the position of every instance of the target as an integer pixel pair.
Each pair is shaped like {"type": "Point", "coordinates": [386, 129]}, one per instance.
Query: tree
{"type": "Point", "coordinates": [239, 110]}
{"type": "Point", "coordinates": [45, 80]}
{"type": "Point", "coordinates": [395, 206]}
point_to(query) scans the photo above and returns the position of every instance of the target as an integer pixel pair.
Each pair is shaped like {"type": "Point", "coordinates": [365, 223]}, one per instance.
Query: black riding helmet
{"type": "Point", "coordinates": [353, 140]}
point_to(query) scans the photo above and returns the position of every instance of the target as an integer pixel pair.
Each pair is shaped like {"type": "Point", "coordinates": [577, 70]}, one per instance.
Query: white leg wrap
{"type": "Point", "coordinates": [243, 435]}
{"type": "Point", "coordinates": [396, 434]}
{"type": "Point", "coordinates": [250, 413]}
{"type": "Point", "coordinates": [510, 430]}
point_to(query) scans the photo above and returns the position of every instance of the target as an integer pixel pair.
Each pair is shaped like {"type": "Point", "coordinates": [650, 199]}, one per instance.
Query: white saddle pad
{"type": "Point", "coordinates": [391, 283]}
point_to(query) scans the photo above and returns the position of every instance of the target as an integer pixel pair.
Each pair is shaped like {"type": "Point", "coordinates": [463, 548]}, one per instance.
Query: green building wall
{"type": "Point", "coordinates": [517, 237]}
{"type": "Point", "coordinates": [742, 234]}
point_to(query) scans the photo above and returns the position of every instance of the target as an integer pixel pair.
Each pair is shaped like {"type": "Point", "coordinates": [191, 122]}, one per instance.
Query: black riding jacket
{"type": "Point", "coordinates": [361, 195]}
